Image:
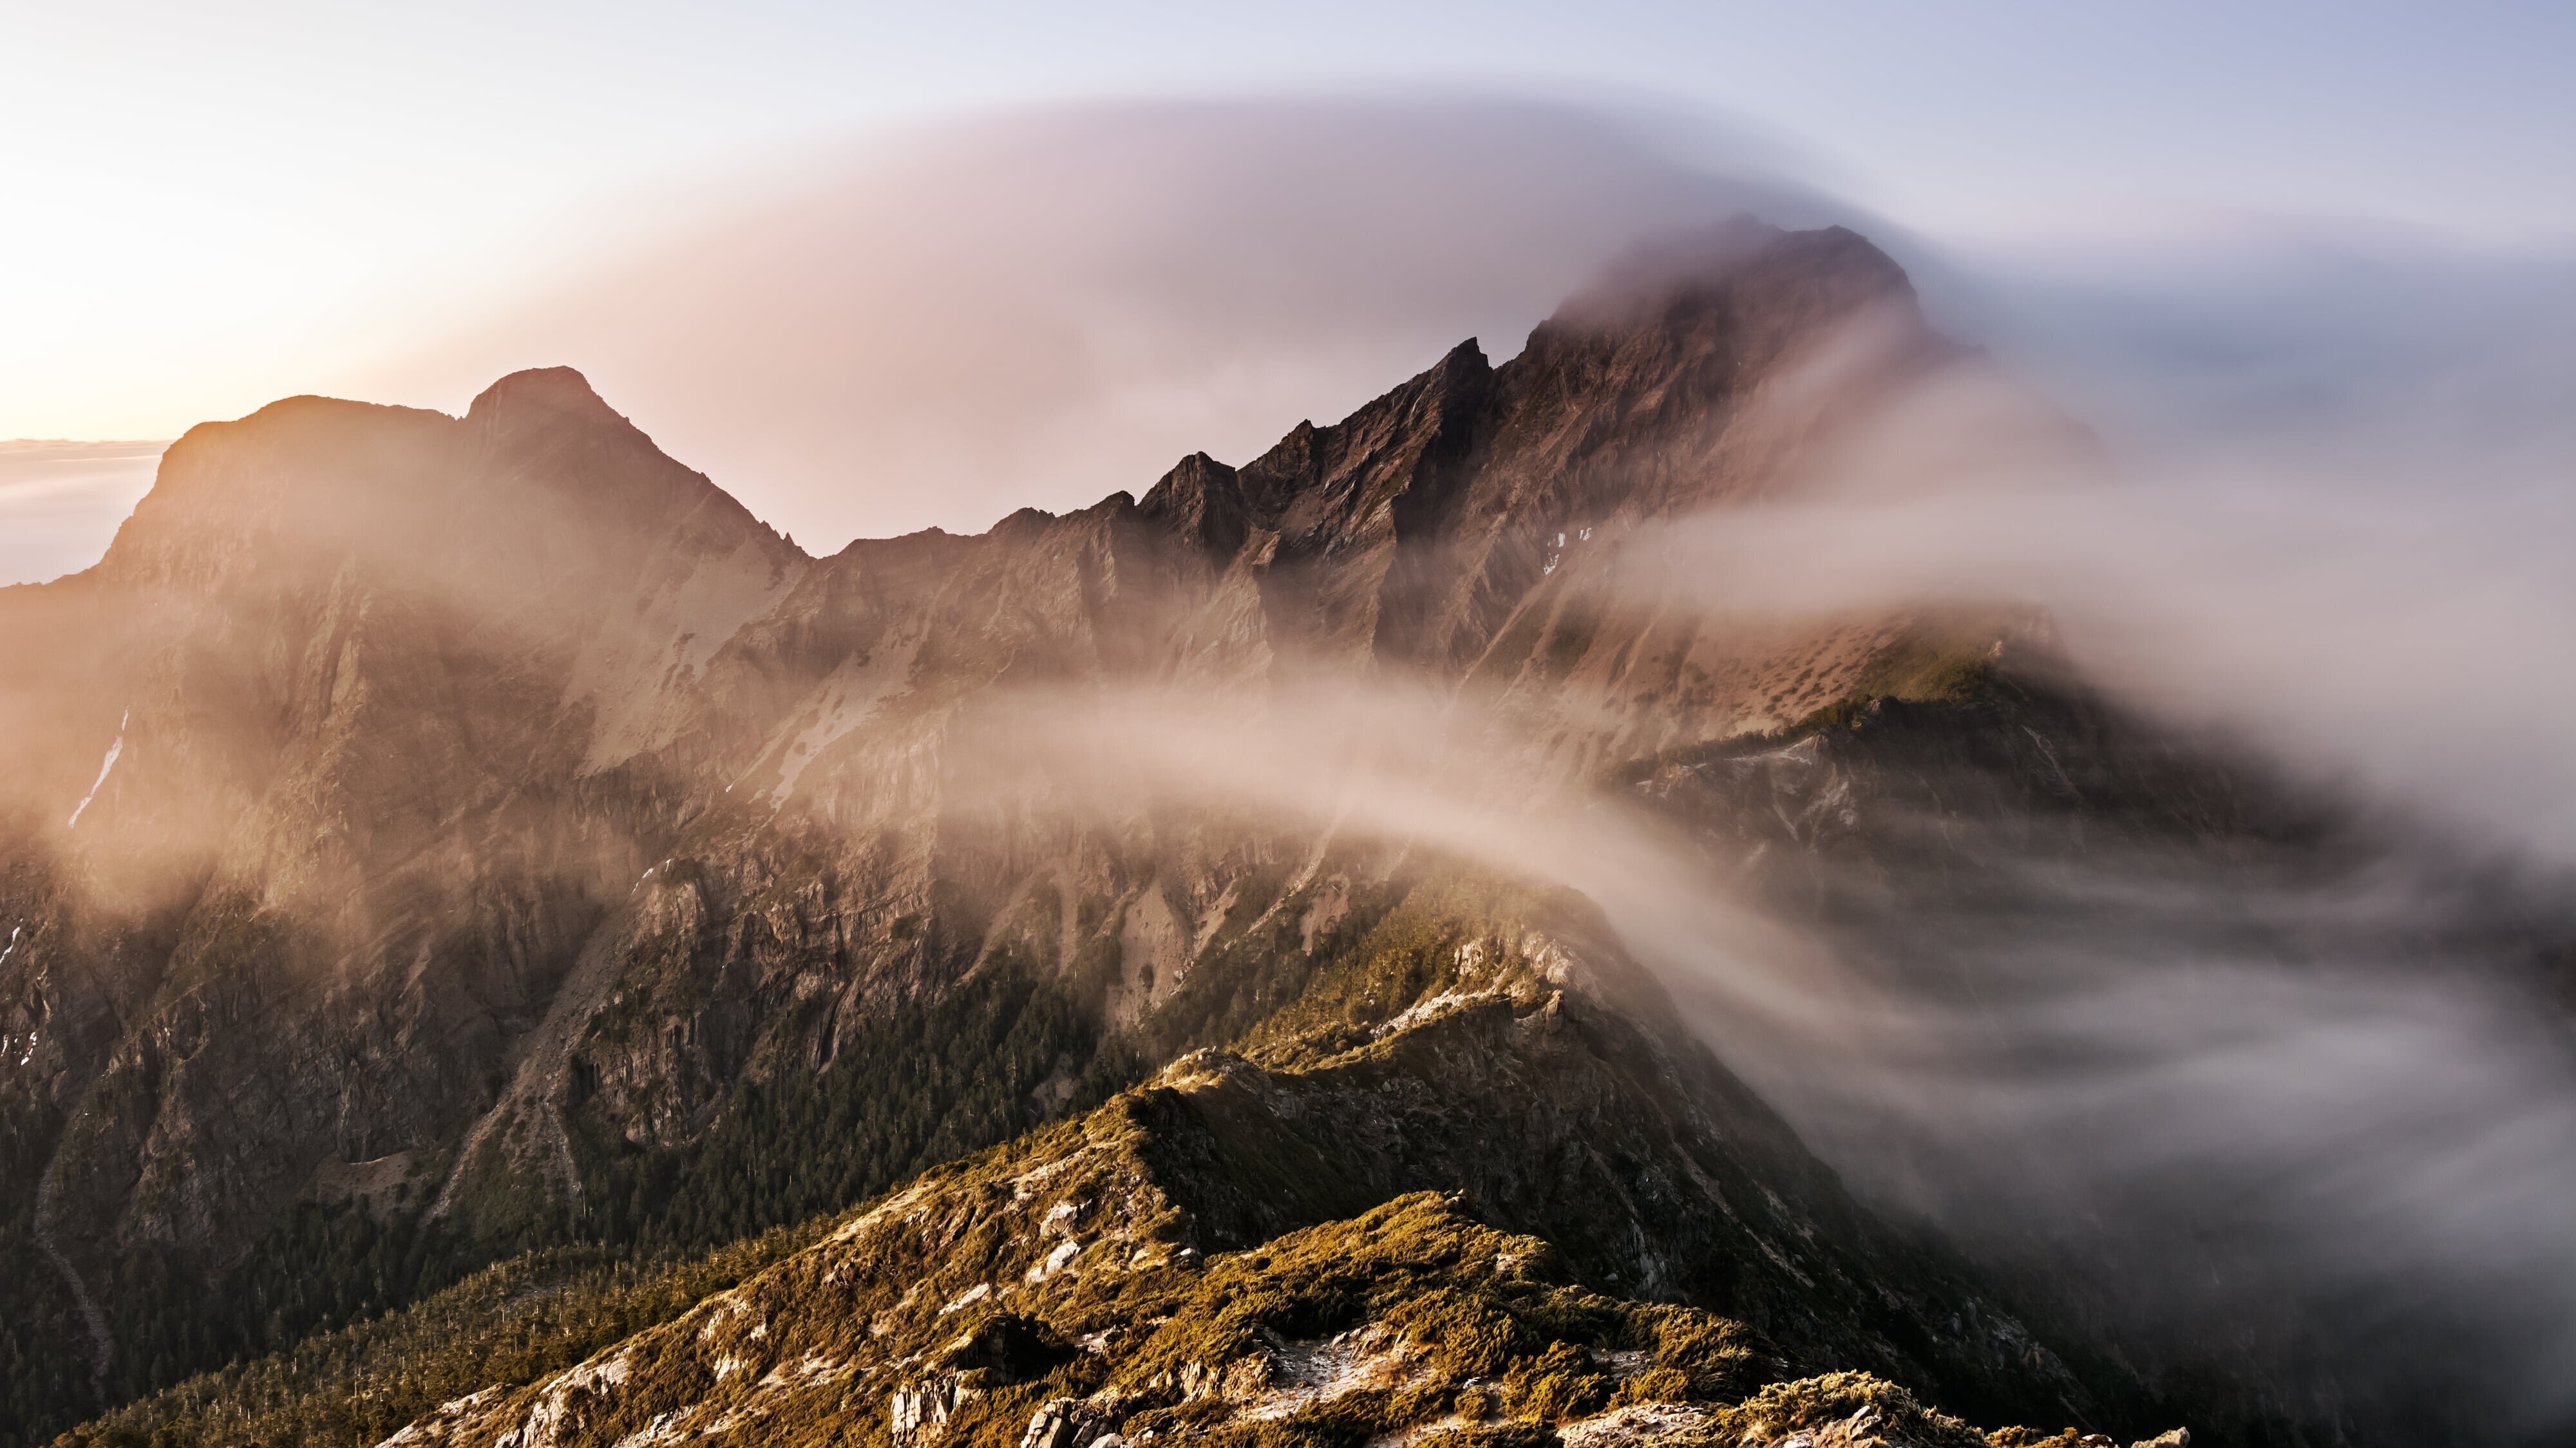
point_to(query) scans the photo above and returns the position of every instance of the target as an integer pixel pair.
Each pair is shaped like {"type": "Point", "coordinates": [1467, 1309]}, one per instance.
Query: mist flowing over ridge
{"type": "Point", "coordinates": [512, 841]}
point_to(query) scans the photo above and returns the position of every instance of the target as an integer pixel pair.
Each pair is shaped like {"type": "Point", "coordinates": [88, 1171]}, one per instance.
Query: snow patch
{"type": "Point", "coordinates": [105, 765]}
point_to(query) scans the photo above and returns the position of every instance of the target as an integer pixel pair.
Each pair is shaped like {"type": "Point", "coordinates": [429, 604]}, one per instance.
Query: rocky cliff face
{"type": "Point", "coordinates": [350, 667]}
{"type": "Point", "coordinates": [504, 840]}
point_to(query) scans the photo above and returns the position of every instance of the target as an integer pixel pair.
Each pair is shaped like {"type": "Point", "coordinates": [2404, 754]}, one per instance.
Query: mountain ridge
{"type": "Point", "coordinates": [518, 844]}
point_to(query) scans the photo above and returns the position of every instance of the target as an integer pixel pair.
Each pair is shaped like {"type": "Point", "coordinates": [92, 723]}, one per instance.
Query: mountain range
{"type": "Point", "coordinates": [504, 947]}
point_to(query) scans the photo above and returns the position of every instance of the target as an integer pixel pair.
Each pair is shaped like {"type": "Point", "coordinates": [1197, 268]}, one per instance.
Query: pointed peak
{"type": "Point", "coordinates": [1466, 356]}
{"type": "Point", "coordinates": [1687, 270]}
{"type": "Point", "coordinates": [1201, 500]}
{"type": "Point", "coordinates": [1194, 471]}
{"type": "Point", "coordinates": [557, 391]}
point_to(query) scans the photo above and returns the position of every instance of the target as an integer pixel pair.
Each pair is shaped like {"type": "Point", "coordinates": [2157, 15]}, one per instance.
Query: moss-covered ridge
{"type": "Point", "coordinates": [1333, 1253]}
{"type": "Point", "coordinates": [1412, 1322]}
{"type": "Point", "coordinates": [1453, 1136]}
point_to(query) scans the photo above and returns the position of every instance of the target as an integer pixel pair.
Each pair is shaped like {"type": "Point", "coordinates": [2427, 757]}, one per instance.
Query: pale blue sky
{"type": "Point", "coordinates": [196, 181]}
{"type": "Point", "coordinates": [1982, 115]}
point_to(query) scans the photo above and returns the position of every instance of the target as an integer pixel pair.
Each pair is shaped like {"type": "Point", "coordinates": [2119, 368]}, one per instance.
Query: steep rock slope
{"type": "Point", "coordinates": [347, 665]}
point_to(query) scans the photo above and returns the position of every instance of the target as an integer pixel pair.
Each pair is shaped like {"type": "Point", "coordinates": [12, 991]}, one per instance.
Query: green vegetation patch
{"type": "Point", "coordinates": [505, 1325]}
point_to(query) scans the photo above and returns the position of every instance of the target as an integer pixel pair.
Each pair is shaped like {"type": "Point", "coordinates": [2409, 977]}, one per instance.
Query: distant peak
{"type": "Point", "coordinates": [1201, 500]}
{"type": "Point", "coordinates": [1024, 520]}
{"type": "Point", "coordinates": [1704, 260]}
{"type": "Point", "coordinates": [1194, 470]}
{"type": "Point", "coordinates": [556, 390]}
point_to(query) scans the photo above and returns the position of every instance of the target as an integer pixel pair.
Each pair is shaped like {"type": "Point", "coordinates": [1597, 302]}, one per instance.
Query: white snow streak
{"type": "Point", "coordinates": [5, 1042]}
{"type": "Point", "coordinates": [105, 765]}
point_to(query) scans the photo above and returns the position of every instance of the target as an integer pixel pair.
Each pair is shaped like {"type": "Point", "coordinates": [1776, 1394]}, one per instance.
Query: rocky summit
{"type": "Point", "coordinates": [504, 948]}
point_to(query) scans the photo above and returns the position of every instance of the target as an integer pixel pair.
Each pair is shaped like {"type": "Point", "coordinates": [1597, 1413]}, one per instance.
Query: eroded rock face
{"type": "Point", "coordinates": [345, 856]}
{"type": "Point", "coordinates": [1069, 1423]}
{"type": "Point", "coordinates": [916, 1413]}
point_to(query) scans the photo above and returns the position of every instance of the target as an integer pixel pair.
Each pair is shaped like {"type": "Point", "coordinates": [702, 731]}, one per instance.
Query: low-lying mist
{"type": "Point", "coordinates": [2316, 1120]}
{"type": "Point", "coordinates": [2296, 1123]}
{"type": "Point", "coordinates": [2413, 636]}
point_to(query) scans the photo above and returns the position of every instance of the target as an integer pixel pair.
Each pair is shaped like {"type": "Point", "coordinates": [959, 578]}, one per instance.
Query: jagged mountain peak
{"type": "Point", "coordinates": [1200, 500]}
